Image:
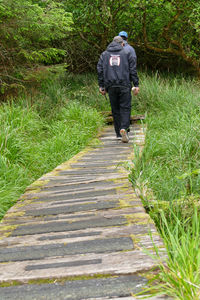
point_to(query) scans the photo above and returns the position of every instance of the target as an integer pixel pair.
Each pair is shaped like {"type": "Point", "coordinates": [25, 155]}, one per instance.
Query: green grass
{"type": "Point", "coordinates": [168, 171]}
{"type": "Point", "coordinates": [172, 139]}
{"type": "Point", "coordinates": [179, 277]}
{"type": "Point", "coordinates": [40, 132]}
{"type": "Point", "coordinates": [70, 87]}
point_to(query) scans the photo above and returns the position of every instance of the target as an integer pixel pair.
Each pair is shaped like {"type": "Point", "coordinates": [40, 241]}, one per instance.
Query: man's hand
{"type": "Point", "coordinates": [102, 91]}
{"type": "Point", "coordinates": [135, 90]}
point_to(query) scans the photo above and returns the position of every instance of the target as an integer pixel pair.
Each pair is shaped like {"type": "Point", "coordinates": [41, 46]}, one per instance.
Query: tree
{"type": "Point", "coordinates": [167, 30]}
{"type": "Point", "coordinates": [96, 22]}
{"type": "Point", "coordinates": [172, 28]}
{"type": "Point", "coordinates": [28, 30]}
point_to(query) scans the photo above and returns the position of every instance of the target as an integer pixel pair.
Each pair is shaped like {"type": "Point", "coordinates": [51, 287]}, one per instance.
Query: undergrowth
{"type": "Point", "coordinates": [167, 176]}
{"type": "Point", "coordinates": [40, 131]}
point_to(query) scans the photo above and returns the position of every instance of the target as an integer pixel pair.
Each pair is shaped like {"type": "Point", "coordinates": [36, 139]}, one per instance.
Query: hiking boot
{"type": "Point", "coordinates": [124, 135]}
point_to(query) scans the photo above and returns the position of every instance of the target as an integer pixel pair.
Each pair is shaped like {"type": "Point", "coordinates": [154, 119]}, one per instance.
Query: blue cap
{"type": "Point", "coordinates": [123, 33]}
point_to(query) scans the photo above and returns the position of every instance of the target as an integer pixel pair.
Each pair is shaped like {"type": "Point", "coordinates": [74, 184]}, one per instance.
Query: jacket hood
{"type": "Point", "coordinates": [114, 47]}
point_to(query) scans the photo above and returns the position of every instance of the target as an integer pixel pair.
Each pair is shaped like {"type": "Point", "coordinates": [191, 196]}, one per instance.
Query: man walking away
{"type": "Point", "coordinates": [116, 70]}
{"type": "Point", "coordinates": [128, 47]}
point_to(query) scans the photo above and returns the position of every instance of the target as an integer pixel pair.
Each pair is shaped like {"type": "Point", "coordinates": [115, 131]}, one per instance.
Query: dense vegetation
{"type": "Point", "coordinates": [49, 32]}
{"type": "Point", "coordinates": [29, 31]}
{"type": "Point", "coordinates": [162, 31]}
{"type": "Point", "coordinates": [171, 158]}
{"type": "Point", "coordinates": [46, 119]}
{"type": "Point", "coordinates": [35, 138]}
{"type": "Point", "coordinates": [167, 176]}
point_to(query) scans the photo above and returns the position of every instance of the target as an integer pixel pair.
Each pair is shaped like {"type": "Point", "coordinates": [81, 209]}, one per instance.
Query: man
{"type": "Point", "coordinates": [128, 47]}
{"type": "Point", "coordinates": [116, 70]}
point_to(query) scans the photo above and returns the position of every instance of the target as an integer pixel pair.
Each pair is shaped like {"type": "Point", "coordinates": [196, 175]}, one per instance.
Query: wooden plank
{"type": "Point", "coordinates": [109, 118]}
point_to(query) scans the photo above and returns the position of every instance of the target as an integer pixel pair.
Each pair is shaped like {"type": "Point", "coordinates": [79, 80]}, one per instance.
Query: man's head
{"type": "Point", "coordinates": [124, 35]}
{"type": "Point", "coordinates": [118, 39]}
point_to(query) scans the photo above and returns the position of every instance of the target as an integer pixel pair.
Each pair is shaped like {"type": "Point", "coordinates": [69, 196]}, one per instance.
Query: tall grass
{"type": "Point", "coordinates": [82, 88]}
{"type": "Point", "coordinates": [180, 278]}
{"type": "Point", "coordinates": [168, 172]}
{"type": "Point", "coordinates": [173, 137]}
{"type": "Point", "coordinates": [39, 133]}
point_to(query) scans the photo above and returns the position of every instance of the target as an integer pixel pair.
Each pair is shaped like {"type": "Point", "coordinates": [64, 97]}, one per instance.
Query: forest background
{"type": "Point", "coordinates": [165, 34]}
{"type": "Point", "coordinates": [51, 108]}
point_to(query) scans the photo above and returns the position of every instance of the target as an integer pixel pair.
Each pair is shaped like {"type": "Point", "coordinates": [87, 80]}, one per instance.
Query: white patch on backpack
{"type": "Point", "coordinates": [114, 60]}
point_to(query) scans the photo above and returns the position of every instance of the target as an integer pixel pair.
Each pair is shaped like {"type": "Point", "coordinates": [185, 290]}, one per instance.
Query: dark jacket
{"type": "Point", "coordinates": [129, 48]}
{"type": "Point", "coordinates": [117, 67]}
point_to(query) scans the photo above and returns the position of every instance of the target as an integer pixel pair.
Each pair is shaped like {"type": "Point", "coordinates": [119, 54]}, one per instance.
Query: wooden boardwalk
{"type": "Point", "coordinates": [79, 231]}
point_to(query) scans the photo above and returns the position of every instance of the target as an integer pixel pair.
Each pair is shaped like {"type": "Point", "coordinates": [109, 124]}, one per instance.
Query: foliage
{"type": "Point", "coordinates": [162, 31]}
{"type": "Point", "coordinates": [179, 276]}
{"type": "Point", "coordinates": [174, 29]}
{"type": "Point", "coordinates": [33, 142]}
{"type": "Point", "coordinates": [28, 32]}
{"type": "Point", "coordinates": [167, 177]}
{"type": "Point", "coordinates": [172, 139]}
{"type": "Point", "coordinates": [165, 34]}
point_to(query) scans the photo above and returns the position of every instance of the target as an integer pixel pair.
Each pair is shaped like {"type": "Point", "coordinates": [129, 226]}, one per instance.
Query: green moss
{"type": "Point", "coordinates": [71, 278]}
{"type": "Point", "coordinates": [10, 283]}
{"type": "Point", "coordinates": [131, 197]}
{"type": "Point", "coordinates": [6, 230]}
{"type": "Point", "coordinates": [135, 239]}
{"type": "Point", "coordinates": [57, 280]}
{"type": "Point", "coordinates": [14, 214]}
{"type": "Point", "coordinates": [124, 204]}
{"type": "Point", "coordinates": [122, 170]}
{"type": "Point", "coordinates": [4, 235]}
{"type": "Point", "coordinates": [22, 203]}
{"type": "Point", "coordinates": [123, 188]}
{"type": "Point", "coordinates": [38, 183]}
{"type": "Point", "coordinates": [67, 165]}
{"type": "Point", "coordinates": [33, 190]}
{"type": "Point", "coordinates": [138, 218]}
{"type": "Point", "coordinates": [8, 227]}
{"type": "Point", "coordinates": [53, 173]}
{"type": "Point", "coordinates": [26, 195]}
{"type": "Point", "coordinates": [118, 179]}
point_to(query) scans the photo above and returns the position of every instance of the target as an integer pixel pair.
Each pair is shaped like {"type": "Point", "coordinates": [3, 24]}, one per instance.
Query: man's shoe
{"type": "Point", "coordinates": [119, 137]}
{"type": "Point", "coordinates": [124, 135]}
